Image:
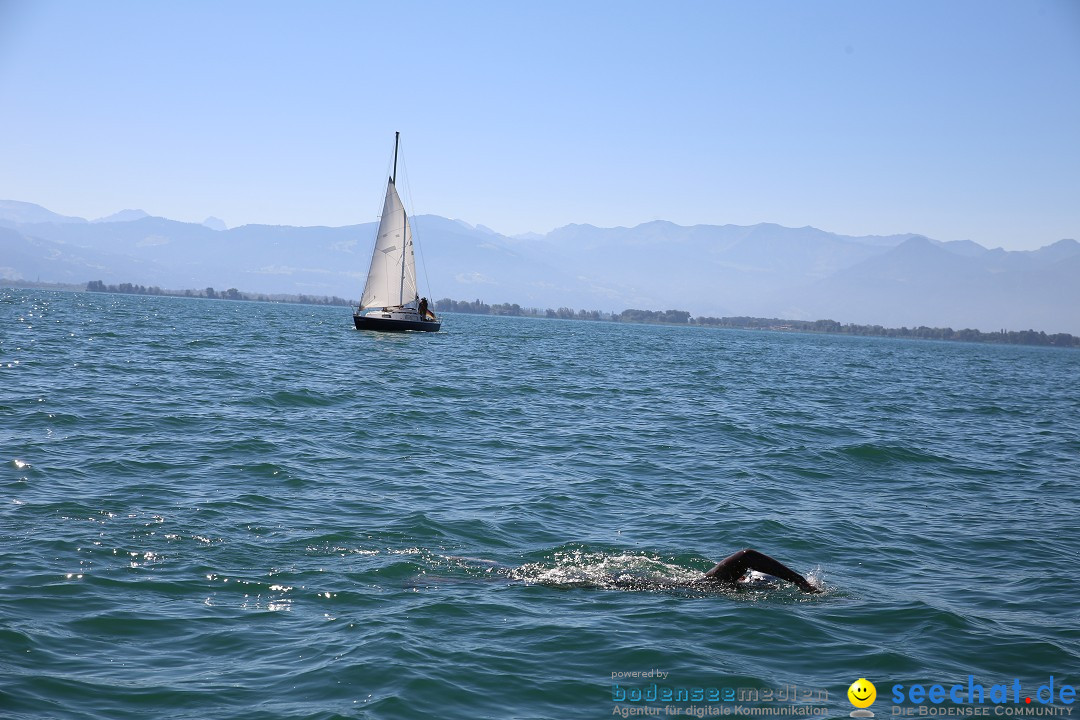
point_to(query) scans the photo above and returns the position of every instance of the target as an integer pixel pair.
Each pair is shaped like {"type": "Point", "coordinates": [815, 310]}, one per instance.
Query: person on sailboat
{"type": "Point", "coordinates": [425, 312]}
{"type": "Point", "coordinates": [731, 570]}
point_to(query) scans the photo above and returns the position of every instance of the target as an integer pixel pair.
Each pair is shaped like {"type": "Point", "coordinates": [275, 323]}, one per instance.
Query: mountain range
{"type": "Point", "coordinates": [762, 270]}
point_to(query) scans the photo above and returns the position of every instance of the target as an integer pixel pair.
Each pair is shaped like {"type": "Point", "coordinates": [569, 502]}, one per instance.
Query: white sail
{"type": "Point", "coordinates": [391, 280]}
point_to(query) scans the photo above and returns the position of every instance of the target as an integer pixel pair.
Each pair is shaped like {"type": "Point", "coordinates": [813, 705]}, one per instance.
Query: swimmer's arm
{"type": "Point", "coordinates": [732, 568]}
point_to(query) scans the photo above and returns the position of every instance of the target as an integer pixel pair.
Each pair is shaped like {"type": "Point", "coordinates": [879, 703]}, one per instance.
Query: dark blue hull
{"type": "Point", "coordinates": [367, 322]}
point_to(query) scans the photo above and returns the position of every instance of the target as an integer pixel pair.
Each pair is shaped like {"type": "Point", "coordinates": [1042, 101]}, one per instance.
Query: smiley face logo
{"type": "Point", "coordinates": [862, 693]}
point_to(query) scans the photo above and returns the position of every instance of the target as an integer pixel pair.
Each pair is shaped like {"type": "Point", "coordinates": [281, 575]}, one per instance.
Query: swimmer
{"type": "Point", "coordinates": [588, 572]}
{"type": "Point", "coordinates": [731, 570]}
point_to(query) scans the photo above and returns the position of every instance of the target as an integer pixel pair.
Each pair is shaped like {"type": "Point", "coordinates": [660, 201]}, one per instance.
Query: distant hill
{"type": "Point", "coordinates": [763, 270]}
{"type": "Point", "coordinates": [15, 212]}
{"type": "Point", "coordinates": [123, 216]}
{"type": "Point", "coordinates": [920, 279]}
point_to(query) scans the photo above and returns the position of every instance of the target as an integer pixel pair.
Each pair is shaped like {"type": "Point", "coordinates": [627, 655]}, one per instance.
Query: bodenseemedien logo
{"type": "Point", "coordinates": [862, 694]}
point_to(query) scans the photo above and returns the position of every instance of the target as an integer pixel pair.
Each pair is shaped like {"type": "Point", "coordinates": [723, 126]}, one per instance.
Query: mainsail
{"type": "Point", "coordinates": [391, 280]}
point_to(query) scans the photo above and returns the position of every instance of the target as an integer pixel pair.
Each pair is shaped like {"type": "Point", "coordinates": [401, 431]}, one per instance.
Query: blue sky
{"type": "Point", "coordinates": [953, 119]}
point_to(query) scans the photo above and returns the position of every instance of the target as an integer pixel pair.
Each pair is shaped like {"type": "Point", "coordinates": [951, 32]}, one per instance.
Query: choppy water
{"type": "Point", "coordinates": [239, 510]}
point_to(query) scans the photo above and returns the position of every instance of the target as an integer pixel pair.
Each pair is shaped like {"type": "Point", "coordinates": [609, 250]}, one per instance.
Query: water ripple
{"type": "Point", "coordinates": [241, 510]}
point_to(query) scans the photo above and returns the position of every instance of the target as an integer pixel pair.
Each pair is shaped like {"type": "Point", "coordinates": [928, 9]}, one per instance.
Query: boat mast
{"type": "Point", "coordinates": [393, 178]}
{"type": "Point", "coordinates": [404, 225]}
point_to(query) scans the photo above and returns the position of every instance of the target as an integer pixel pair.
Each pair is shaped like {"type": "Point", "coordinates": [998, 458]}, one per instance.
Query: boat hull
{"type": "Point", "coordinates": [375, 321]}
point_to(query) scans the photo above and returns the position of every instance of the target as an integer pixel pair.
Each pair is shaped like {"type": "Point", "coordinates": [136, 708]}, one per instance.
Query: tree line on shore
{"type": "Point", "coordinates": [476, 307]}
{"type": "Point", "coordinates": [664, 317]}
{"type": "Point", "coordinates": [212, 294]}
{"type": "Point", "coordinates": [832, 327]}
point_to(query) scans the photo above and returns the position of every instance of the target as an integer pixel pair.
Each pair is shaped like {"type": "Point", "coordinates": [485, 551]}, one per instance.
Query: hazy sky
{"type": "Point", "coordinates": [953, 119]}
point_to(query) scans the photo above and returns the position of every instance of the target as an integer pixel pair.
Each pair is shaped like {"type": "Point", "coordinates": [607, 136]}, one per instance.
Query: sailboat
{"type": "Point", "coordinates": [390, 300]}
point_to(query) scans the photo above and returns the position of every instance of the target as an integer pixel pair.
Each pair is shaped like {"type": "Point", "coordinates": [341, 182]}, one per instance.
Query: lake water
{"type": "Point", "coordinates": [242, 510]}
